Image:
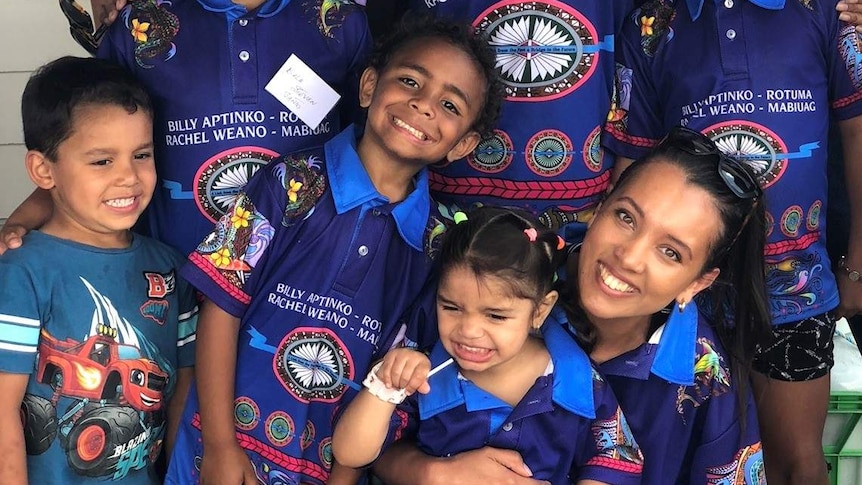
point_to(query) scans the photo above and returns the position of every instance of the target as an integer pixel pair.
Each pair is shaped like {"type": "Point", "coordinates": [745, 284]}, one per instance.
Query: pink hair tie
{"type": "Point", "coordinates": [531, 234]}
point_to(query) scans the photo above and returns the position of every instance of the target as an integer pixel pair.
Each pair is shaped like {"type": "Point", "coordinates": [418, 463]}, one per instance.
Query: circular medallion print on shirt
{"type": "Point", "coordinates": [791, 220]}
{"type": "Point", "coordinates": [307, 435]}
{"type": "Point", "coordinates": [312, 364]}
{"type": "Point", "coordinates": [324, 451]}
{"type": "Point", "coordinates": [221, 178]}
{"type": "Point", "coordinates": [540, 47]}
{"type": "Point", "coordinates": [279, 428]}
{"type": "Point", "coordinates": [758, 146]}
{"type": "Point", "coordinates": [246, 413]}
{"type": "Point", "coordinates": [492, 155]}
{"type": "Point", "coordinates": [813, 221]}
{"type": "Point", "coordinates": [549, 152]}
{"type": "Point", "coordinates": [593, 152]}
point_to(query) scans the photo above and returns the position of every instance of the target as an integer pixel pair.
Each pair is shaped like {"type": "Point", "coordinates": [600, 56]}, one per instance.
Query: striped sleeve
{"type": "Point", "coordinates": [187, 323]}
{"type": "Point", "coordinates": [20, 320]}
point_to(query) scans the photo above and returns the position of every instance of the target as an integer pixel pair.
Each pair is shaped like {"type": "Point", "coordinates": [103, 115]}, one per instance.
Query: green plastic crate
{"type": "Point", "coordinates": [842, 438]}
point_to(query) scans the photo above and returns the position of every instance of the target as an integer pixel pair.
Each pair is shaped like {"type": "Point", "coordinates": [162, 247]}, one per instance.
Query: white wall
{"type": "Point", "coordinates": [32, 32]}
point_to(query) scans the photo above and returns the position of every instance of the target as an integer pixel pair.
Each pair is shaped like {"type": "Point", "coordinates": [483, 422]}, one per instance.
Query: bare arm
{"type": "Point", "coordinates": [13, 465]}
{"type": "Point", "coordinates": [31, 214]}
{"type": "Point", "coordinates": [405, 464]}
{"type": "Point", "coordinates": [224, 462]}
{"type": "Point", "coordinates": [361, 430]}
{"type": "Point", "coordinates": [176, 405]}
{"type": "Point", "coordinates": [851, 291]}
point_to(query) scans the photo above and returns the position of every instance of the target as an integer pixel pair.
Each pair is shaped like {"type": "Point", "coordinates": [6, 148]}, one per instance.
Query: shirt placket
{"type": "Point", "coordinates": [731, 38]}
{"type": "Point", "coordinates": [243, 60]}
{"type": "Point", "coordinates": [363, 249]}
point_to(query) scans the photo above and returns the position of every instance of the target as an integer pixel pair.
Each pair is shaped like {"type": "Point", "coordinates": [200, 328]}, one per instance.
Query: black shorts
{"type": "Point", "coordinates": [800, 351]}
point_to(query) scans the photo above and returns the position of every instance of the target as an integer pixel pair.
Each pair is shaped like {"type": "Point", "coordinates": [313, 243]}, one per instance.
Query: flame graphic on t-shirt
{"type": "Point", "coordinates": [88, 377]}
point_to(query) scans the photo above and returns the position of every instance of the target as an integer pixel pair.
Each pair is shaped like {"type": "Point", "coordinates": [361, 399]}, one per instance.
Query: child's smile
{"type": "Point", "coordinates": [422, 105]}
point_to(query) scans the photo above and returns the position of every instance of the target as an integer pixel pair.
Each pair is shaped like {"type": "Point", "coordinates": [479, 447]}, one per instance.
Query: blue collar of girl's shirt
{"type": "Point", "coordinates": [573, 375]}
{"type": "Point", "coordinates": [695, 6]}
{"type": "Point", "coordinates": [234, 11]}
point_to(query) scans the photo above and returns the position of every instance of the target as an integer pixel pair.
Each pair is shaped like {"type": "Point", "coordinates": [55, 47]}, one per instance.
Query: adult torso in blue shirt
{"type": "Point", "coordinates": [556, 60]}
{"type": "Point", "coordinates": [108, 348]}
{"type": "Point", "coordinates": [206, 63]}
{"type": "Point", "coordinates": [759, 95]}
{"type": "Point", "coordinates": [323, 299]}
{"type": "Point", "coordinates": [681, 402]}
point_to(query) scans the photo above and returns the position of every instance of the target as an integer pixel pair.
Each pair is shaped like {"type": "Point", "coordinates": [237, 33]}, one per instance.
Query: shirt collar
{"type": "Point", "coordinates": [234, 11]}
{"type": "Point", "coordinates": [677, 341]}
{"type": "Point", "coordinates": [573, 376]}
{"type": "Point", "coordinates": [669, 353]}
{"type": "Point", "coordinates": [352, 187]}
{"type": "Point", "coordinates": [695, 6]}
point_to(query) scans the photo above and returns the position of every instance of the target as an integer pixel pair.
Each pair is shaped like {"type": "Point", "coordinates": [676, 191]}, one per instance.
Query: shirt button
{"type": "Point", "coordinates": [507, 427]}
{"type": "Point", "coordinates": [363, 250]}
{"type": "Point", "coordinates": [244, 22]}
{"type": "Point", "coordinates": [244, 55]}
{"type": "Point", "coordinates": [728, 3]}
{"type": "Point", "coordinates": [731, 34]}
{"type": "Point", "coordinates": [376, 212]}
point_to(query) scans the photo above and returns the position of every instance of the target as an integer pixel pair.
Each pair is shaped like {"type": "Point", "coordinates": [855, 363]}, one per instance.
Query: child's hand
{"type": "Point", "coordinates": [405, 369]}
{"type": "Point", "coordinates": [10, 236]}
{"type": "Point", "coordinates": [227, 465]}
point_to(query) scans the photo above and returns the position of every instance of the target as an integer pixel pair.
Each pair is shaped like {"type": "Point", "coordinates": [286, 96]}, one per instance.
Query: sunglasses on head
{"type": "Point", "coordinates": [733, 172]}
{"type": "Point", "coordinates": [81, 25]}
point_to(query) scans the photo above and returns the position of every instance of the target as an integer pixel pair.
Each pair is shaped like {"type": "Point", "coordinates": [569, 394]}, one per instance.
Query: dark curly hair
{"type": "Point", "coordinates": [59, 88]}
{"type": "Point", "coordinates": [461, 35]}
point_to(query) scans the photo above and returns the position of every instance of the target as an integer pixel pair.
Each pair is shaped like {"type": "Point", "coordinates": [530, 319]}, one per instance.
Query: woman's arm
{"type": "Point", "coordinates": [404, 464]}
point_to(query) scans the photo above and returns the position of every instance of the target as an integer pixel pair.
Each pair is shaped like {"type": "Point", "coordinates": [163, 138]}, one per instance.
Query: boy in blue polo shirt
{"type": "Point", "coordinates": [311, 268]}
{"type": "Point", "coordinates": [95, 326]}
{"type": "Point", "coordinates": [767, 99]}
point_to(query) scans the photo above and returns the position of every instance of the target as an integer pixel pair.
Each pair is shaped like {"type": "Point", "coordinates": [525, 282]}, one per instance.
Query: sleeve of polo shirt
{"type": "Point", "coordinates": [845, 69]}
{"type": "Point", "coordinates": [20, 320]}
{"type": "Point", "coordinates": [225, 265]}
{"type": "Point", "coordinates": [608, 452]}
{"type": "Point", "coordinates": [724, 449]}
{"type": "Point", "coordinates": [187, 323]}
{"type": "Point", "coordinates": [634, 124]}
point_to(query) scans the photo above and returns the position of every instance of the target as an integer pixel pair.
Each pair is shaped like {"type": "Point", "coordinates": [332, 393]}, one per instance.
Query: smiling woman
{"type": "Point", "coordinates": [684, 225]}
